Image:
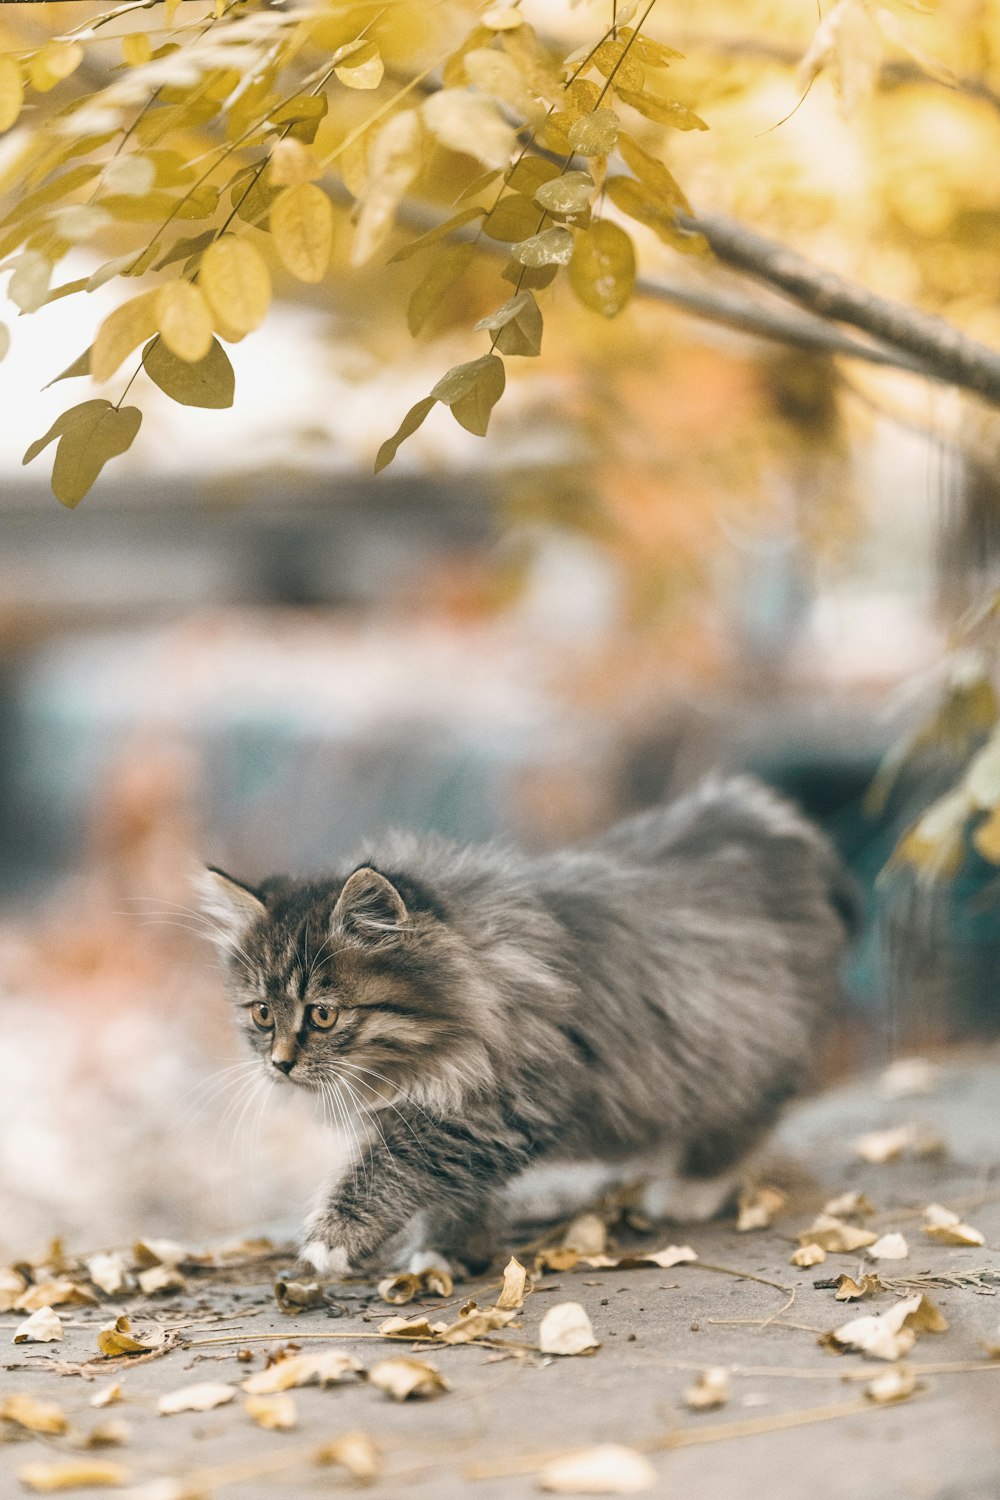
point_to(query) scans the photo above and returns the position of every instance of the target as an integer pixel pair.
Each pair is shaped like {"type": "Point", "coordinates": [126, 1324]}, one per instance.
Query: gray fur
{"type": "Point", "coordinates": [658, 989]}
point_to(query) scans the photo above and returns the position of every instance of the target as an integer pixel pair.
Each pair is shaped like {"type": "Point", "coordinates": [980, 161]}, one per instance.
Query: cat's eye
{"type": "Point", "coordinates": [321, 1017]}
{"type": "Point", "coordinates": [262, 1015]}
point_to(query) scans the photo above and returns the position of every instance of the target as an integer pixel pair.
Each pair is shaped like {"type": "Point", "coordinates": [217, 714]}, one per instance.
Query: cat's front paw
{"type": "Point", "coordinates": [328, 1260]}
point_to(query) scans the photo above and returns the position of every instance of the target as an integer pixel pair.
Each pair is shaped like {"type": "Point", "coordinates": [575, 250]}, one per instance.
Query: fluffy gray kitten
{"type": "Point", "coordinates": [469, 1012]}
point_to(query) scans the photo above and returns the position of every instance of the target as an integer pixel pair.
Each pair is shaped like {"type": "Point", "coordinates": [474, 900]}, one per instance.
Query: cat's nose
{"type": "Point", "coordinates": [285, 1064]}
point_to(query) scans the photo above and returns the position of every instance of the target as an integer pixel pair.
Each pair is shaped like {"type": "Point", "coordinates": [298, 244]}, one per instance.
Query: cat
{"type": "Point", "coordinates": [467, 1012]}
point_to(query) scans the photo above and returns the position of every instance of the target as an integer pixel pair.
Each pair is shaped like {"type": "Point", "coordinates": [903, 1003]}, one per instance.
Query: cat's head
{"type": "Point", "coordinates": [356, 989]}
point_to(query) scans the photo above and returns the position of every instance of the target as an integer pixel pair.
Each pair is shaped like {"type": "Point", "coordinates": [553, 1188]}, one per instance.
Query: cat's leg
{"type": "Point", "coordinates": [448, 1172]}
{"type": "Point", "coordinates": [693, 1184]}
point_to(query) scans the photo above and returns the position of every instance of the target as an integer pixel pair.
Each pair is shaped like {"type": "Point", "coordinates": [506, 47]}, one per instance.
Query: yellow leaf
{"type": "Point", "coordinates": [404, 1378]}
{"type": "Point", "coordinates": [71, 1474]}
{"type": "Point", "coordinates": [444, 271]}
{"type": "Point", "coordinates": [11, 92]}
{"type": "Point", "coordinates": [301, 115]}
{"type": "Point", "coordinates": [363, 68]}
{"type": "Point", "coordinates": [237, 286]}
{"type": "Point", "coordinates": [184, 321]}
{"type": "Point", "coordinates": [647, 50]}
{"type": "Point", "coordinates": [89, 435]}
{"type": "Point", "coordinates": [55, 61]}
{"type": "Point", "coordinates": [987, 837]}
{"type": "Point", "coordinates": [302, 225]}
{"type": "Point", "coordinates": [643, 205]}
{"type": "Point", "coordinates": [28, 287]}
{"type": "Point", "coordinates": [553, 247]}
{"type": "Point", "coordinates": [122, 331]}
{"type": "Point", "coordinates": [618, 59]}
{"type": "Point", "coordinates": [274, 1413]}
{"type": "Point", "coordinates": [438, 233]}
{"type": "Point", "coordinates": [33, 1415]}
{"type": "Point", "coordinates": [470, 123]}
{"type": "Point", "coordinates": [527, 175]}
{"type": "Point", "coordinates": [393, 162]}
{"type": "Point", "coordinates": [664, 111]}
{"type": "Point", "coordinates": [4, 341]}
{"type": "Point", "coordinates": [136, 48]}
{"type": "Point", "coordinates": [602, 268]}
{"type": "Point", "coordinates": [653, 174]}
{"type": "Point", "coordinates": [407, 427]}
{"type": "Point", "coordinates": [569, 193]}
{"type": "Point", "coordinates": [496, 73]}
{"type": "Point", "coordinates": [291, 163]}
{"type": "Point", "coordinates": [210, 382]}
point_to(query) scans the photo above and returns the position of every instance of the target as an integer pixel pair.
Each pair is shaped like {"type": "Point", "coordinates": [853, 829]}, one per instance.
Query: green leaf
{"type": "Point", "coordinates": [302, 115]}
{"type": "Point", "coordinates": [529, 278]}
{"type": "Point", "coordinates": [472, 390]}
{"type": "Point", "coordinates": [663, 111]}
{"type": "Point", "coordinates": [636, 200]}
{"type": "Point", "coordinates": [602, 271]}
{"type": "Point", "coordinates": [80, 366]}
{"type": "Point", "coordinates": [596, 134]}
{"type": "Point", "coordinates": [89, 435]}
{"type": "Point", "coordinates": [553, 247]}
{"type": "Point", "coordinates": [567, 194]}
{"type": "Point", "coordinates": [517, 324]}
{"type": "Point", "coordinates": [439, 232]}
{"type": "Point", "coordinates": [407, 427]}
{"type": "Point", "coordinates": [514, 218]}
{"type": "Point", "coordinates": [445, 270]}
{"type": "Point", "coordinates": [210, 383]}
{"type": "Point", "coordinates": [527, 175]}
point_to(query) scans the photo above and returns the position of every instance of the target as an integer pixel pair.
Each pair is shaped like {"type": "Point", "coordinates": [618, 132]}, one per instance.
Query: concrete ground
{"type": "Point", "coordinates": [489, 1435]}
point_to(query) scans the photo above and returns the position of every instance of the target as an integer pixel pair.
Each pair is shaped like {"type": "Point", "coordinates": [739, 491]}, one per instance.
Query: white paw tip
{"type": "Point", "coordinates": [428, 1260]}
{"type": "Point", "coordinates": [326, 1261]}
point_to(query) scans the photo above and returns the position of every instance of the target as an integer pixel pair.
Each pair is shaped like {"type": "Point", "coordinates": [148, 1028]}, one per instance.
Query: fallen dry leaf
{"type": "Point", "coordinates": [431, 1282]}
{"type": "Point", "coordinates": [670, 1255]}
{"type": "Point", "coordinates": [852, 1205]}
{"type": "Point", "coordinates": [849, 1290]}
{"type": "Point", "coordinates": [161, 1279]}
{"type": "Point", "coordinates": [71, 1474]}
{"type": "Point", "coordinates": [608, 1469]}
{"type": "Point", "coordinates": [120, 1337]}
{"type": "Point", "coordinates": [43, 1327]}
{"type": "Point", "coordinates": [710, 1389]}
{"type": "Point", "coordinates": [566, 1329]}
{"type": "Point", "coordinates": [419, 1329]}
{"type": "Point", "coordinates": [757, 1209]}
{"type": "Point", "coordinates": [204, 1395]}
{"type": "Point", "coordinates": [880, 1146]}
{"type": "Point", "coordinates": [834, 1235]}
{"type": "Point", "coordinates": [476, 1325]}
{"type": "Point", "coordinates": [108, 1395]}
{"type": "Point", "coordinates": [147, 1253]}
{"type": "Point", "coordinates": [944, 1227]}
{"type": "Point", "coordinates": [891, 1334]}
{"type": "Point", "coordinates": [354, 1452]}
{"type": "Point", "coordinates": [892, 1386]}
{"type": "Point", "coordinates": [404, 1378]}
{"type": "Point", "coordinates": [54, 1294]}
{"type": "Point", "coordinates": [275, 1413]}
{"type": "Point", "coordinates": [514, 1283]}
{"type": "Point", "coordinates": [33, 1415]}
{"type": "Point", "coordinates": [12, 1284]}
{"type": "Point", "coordinates": [587, 1235]}
{"type": "Point", "coordinates": [889, 1247]}
{"type": "Point", "coordinates": [114, 1433]}
{"type": "Point", "coordinates": [808, 1255]}
{"type": "Point", "coordinates": [293, 1296]}
{"type": "Point", "coordinates": [326, 1368]}
{"type": "Point", "coordinates": [108, 1272]}
{"type": "Point", "coordinates": [558, 1258]}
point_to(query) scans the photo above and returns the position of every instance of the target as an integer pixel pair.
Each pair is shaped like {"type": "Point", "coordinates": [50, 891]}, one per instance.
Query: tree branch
{"type": "Point", "coordinates": [938, 346]}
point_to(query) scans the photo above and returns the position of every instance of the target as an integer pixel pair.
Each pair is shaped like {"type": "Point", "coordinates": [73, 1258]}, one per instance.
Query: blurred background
{"type": "Point", "coordinates": [680, 547]}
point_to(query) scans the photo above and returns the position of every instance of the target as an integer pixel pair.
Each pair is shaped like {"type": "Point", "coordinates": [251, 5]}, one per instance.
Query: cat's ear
{"type": "Point", "coordinates": [369, 905]}
{"type": "Point", "coordinates": [231, 905]}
